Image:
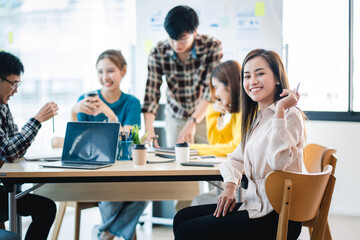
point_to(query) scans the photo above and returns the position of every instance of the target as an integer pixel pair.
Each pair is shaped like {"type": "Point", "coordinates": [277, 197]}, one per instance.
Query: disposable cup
{"type": "Point", "coordinates": [182, 152]}
{"type": "Point", "coordinates": [139, 154]}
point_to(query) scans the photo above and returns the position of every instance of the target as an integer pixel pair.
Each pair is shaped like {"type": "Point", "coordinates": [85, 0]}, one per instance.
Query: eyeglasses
{"type": "Point", "coordinates": [14, 85]}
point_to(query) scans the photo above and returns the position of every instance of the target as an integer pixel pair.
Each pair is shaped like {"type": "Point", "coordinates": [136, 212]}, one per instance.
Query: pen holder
{"type": "Point", "coordinates": [124, 150]}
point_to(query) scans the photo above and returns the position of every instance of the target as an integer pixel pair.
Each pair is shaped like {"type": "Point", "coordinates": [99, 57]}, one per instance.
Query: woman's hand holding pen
{"type": "Point", "coordinates": [48, 111]}
{"type": "Point", "coordinates": [290, 99]}
{"type": "Point", "coordinates": [226, 200]}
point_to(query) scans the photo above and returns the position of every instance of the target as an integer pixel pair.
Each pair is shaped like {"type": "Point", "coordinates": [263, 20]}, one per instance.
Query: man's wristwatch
{"type": "Point", "coordinates": [192, 119]}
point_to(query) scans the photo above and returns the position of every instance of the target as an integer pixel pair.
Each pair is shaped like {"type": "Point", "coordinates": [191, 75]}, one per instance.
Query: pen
{"type": "Point", "coordinates": [53, 125]}
{"type": "Point", "coordinates": [296, 91]}
{"type": "Point", "coordinates": [297, 88]}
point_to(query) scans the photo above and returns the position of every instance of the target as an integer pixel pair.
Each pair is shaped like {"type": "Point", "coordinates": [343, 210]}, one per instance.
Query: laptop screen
{"type": "Point", "coordinates": [90, 142]}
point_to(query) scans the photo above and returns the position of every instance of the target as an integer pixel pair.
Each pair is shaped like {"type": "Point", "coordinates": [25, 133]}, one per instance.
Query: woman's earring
{"type": "Point", "coordinates": [277, 83]}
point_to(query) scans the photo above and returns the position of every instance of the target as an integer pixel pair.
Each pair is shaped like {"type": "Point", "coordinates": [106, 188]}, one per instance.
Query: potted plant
{"type": "Point", "coordinates": [138, 150]}
{"type": "Point", "coordinates": [136, 138]}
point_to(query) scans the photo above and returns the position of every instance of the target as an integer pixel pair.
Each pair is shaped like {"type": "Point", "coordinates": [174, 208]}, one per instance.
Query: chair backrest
{"type": "Point", "coordinates": [301, 197]}
{"type": "Point", "coordinates": [316, 157]}
{"type": "Point", "coordinates": [307, 191]}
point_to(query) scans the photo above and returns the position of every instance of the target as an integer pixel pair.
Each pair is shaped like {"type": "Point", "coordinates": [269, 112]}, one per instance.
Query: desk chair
{"type": "Point", "coordinates": [316, 157]}
{"type": "Point", "coordinates": [58, 142]}
{"type": "Point", "coordinates": [301, 197]}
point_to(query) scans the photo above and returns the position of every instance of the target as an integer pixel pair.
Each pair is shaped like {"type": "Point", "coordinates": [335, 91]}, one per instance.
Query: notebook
{"type": "Point", "coordinates": [170, 152]}
{"type": "Point", "coordinates": [88, 145]}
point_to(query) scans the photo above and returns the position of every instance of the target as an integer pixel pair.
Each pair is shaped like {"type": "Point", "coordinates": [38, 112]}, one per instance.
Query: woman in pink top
{"type": "Point", "coordinates": [273, 139]}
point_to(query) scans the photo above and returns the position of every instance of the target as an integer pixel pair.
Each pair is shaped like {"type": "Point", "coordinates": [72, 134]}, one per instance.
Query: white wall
{"type": "Point", "coordinates": [345, 137]}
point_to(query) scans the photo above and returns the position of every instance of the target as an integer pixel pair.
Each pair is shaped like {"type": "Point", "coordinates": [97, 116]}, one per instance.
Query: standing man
{"type": "Point", "coordinates": [186, 60]}
{"type": "Point", "coordinates": [14, 143]}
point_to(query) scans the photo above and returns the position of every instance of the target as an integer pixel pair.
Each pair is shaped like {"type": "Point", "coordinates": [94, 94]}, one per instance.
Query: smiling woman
{"type": "Point", "coordinates": [272, 140]}
{"type": "Point", "coordinates": [112, 105]}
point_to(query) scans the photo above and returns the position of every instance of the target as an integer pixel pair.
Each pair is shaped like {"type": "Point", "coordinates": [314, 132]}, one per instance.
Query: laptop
{"type": "Point", "coordinates": [88, 145]}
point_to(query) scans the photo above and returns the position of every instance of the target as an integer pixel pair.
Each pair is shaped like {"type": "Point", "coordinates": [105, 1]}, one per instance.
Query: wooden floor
{"type": "Point", "coordinates": [342, 227]}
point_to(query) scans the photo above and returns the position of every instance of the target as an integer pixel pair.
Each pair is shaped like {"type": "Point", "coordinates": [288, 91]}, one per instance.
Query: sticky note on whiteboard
{"type": "Point", "coordinates": [259, 9]}
{"type": "Point", "coordinates": [11, 37]}
{"type": "Point", "coordinates": [148, 44]}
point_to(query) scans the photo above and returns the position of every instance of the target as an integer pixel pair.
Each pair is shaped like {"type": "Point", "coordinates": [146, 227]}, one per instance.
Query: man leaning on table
{"type": "Point", "coordinates": [186, 60]}
{"type": "Point", "coordinates": [14, 143]}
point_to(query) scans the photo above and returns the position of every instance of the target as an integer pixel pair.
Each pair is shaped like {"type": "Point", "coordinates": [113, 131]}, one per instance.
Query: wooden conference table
{"type": "Point", "coordinates": [155, 181]}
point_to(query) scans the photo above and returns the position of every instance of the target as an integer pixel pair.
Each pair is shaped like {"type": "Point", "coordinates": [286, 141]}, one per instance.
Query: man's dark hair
{"type": "Point", "coordinates": [181, 19]}
{"type": "Point", "coordinates": [10, 64]}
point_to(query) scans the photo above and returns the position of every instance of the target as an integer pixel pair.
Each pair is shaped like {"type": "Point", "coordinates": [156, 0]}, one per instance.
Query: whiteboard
{"type": "Point", "coordinates": [241, 26]}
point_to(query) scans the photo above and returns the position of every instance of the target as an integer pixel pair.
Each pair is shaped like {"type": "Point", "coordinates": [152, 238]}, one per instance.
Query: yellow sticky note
{"type": "Point", "coordinates": [259, 9]}
{"type": "Point", "coordinates": [148, 44]}
{"type": "Point", "coordinates": [11, 37]}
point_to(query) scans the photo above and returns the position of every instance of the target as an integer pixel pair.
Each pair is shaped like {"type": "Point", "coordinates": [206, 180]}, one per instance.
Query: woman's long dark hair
{"type": "Point", "coordinates": [249, 108]}
{"type": "Point", "coordinates": [228, 73]}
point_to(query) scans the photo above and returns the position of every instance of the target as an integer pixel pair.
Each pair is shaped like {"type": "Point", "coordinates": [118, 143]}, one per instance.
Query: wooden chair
{"type": "Point", "coordinates": [301, 197]}
{"type": "Point", "coordinates": [316, 157]}
{"type": "Point", "coordinates": [58, 142]}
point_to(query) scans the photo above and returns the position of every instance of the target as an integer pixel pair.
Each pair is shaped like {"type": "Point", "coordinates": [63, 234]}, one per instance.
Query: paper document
{"type": "Point", "coordinates": [50, 154]}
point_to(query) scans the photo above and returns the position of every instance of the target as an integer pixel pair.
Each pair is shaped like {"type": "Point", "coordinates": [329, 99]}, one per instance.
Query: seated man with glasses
{"type": "Point", "coordinates": [14, 143]}
{"type": "Point", "coordinates": [186, 60]}
{"type": "Point", "coordinates": [14, 84]}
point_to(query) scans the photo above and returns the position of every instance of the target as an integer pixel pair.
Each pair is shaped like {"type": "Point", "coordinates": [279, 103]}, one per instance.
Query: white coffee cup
{"type": "Point", "coordinates": [182, 152]}
{"type": "Point", "coordinates": [139, 154]}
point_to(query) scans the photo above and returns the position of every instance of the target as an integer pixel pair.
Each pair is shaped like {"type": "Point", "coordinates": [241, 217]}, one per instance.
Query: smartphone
{"type": "Point", "coordinates": [92, 94]}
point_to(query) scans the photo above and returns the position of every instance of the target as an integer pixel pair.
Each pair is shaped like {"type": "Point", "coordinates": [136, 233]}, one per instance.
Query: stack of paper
{"type": "Point", "coordinates": [170, 152]}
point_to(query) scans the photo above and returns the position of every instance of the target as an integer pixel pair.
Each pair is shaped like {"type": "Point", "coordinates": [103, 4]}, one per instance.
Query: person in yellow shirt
{"type": "Point", "coordinates": [223, 136]}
